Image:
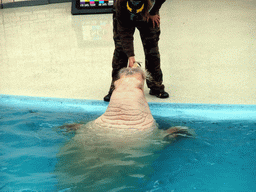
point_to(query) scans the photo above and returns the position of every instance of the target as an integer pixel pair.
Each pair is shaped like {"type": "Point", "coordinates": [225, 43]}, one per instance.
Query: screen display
{"type": "Point", "coordinates": [96, 3]}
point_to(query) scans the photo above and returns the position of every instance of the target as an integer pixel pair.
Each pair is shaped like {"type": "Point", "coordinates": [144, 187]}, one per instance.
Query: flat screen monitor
{"type": "Point", "coordinates": [92, 6]}
{"type": "Point", "coordinates": [95, 3]}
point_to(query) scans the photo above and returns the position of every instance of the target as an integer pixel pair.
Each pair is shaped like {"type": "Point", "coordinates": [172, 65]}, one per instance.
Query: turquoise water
{"type": "Point", "coordinates": [220, 158]}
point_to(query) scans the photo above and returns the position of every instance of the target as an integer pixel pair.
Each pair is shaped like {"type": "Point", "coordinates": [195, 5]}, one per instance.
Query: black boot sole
{"type": "Point", "coordinates": [161, 95]}
{"type": "Point", "coordinates": [107, 97]}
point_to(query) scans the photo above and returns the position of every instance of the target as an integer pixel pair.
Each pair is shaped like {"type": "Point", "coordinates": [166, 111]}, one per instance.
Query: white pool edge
{"type": "Point", "coordinates": [215, 112]}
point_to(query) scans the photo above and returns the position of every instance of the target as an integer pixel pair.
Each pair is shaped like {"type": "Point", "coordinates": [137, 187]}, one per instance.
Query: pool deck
{"type": "Point", "coordinates": [208, 52]}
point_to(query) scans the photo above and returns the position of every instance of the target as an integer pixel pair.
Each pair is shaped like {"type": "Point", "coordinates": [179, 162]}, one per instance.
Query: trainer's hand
{"type": "Point", "coordinates": [131, 61]}
{"type": "Point", "coordinates": [155, 20]}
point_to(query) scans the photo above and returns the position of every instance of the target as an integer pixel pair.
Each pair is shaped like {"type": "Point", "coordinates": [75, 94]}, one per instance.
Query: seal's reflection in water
{"type": "Point", "coordinates": [96, 159]}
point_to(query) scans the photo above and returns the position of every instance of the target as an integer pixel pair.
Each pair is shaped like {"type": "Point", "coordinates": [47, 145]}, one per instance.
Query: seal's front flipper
{"type": "Point", "coordinates": [71, 127]}
{"type": "Point", "coordinates": [174, 133]}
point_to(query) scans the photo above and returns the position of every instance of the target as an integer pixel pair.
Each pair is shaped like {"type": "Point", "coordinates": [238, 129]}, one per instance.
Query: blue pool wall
{"type": "Point", "coordinates": [212, 112]}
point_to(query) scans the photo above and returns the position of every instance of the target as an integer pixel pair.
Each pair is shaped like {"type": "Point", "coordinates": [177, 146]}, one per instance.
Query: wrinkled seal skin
{"type": "Point", "coordinates": [128, 108]}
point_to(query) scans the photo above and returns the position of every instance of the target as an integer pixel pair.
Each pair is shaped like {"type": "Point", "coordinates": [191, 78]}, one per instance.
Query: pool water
{"type": "Point", "coordinates": [220, 158]}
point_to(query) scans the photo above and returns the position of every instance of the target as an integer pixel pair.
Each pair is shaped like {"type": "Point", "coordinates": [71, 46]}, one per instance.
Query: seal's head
{"type": "Point", "coordinates": [134, 71]}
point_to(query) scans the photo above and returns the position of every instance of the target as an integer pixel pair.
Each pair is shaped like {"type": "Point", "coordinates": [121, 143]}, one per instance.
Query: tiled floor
{"type": "Point", "coordinates": [208, 52]}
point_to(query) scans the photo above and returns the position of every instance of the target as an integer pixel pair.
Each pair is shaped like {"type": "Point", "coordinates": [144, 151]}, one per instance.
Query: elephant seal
{"type": "Point", "coordinates": [118, 146]}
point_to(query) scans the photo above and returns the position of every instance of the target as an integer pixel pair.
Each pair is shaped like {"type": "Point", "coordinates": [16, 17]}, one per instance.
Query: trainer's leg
{"type": "Point", "coordinates": [150, 38]}
{"type": "Point", "coordinates": [119, 60]}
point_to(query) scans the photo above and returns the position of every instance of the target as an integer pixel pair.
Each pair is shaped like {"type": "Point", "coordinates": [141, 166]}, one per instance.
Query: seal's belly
{"type": "Point", "coordinates": [125, 128]}
{"type": "Point", "coordinates": [119, 137]}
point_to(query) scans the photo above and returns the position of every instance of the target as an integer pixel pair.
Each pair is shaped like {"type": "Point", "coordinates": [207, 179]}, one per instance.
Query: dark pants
{"type": "Point", "coordinates": [150, 38]}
